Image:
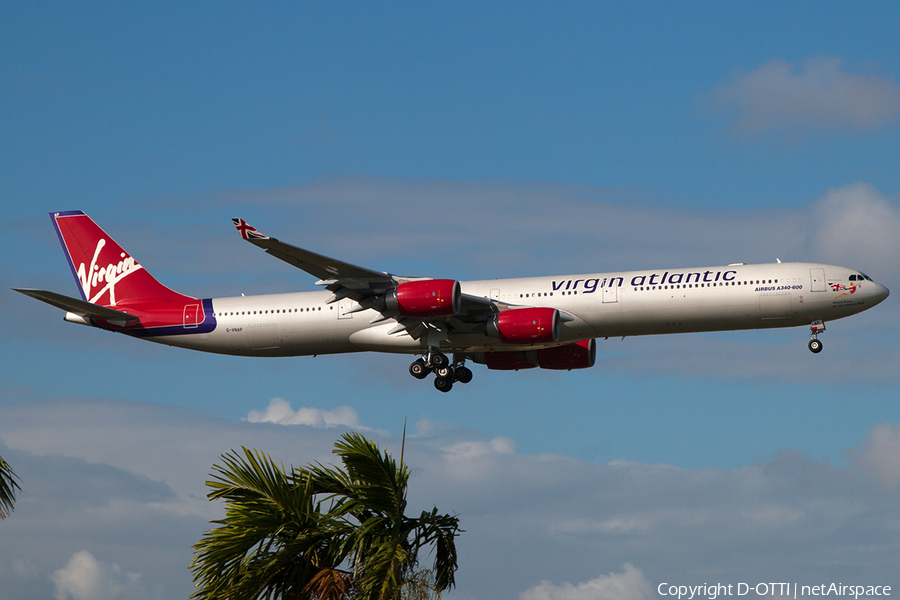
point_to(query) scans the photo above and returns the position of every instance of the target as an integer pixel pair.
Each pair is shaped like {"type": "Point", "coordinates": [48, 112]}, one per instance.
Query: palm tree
{"type": "Point", "coordinates": [274, 542]}
{"type": "Point", "coordinates": [287, 535]}
{"type": "Point", "coordinates": [385, 542]}
{"type": "Point", "coordinates": [8, 487]}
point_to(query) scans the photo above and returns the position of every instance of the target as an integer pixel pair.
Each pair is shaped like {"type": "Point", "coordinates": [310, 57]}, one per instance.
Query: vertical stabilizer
{"type": "Point", "coordinates": [106, 274]}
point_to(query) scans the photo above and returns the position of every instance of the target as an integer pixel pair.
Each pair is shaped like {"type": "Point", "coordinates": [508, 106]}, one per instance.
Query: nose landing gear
{"type": "Point", "coordinates": [815, 328]}
{"type": "Point", "coordinates": [445, 373]}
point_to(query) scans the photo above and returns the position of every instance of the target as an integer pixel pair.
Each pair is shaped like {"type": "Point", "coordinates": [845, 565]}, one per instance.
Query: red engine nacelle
{"type": "Point", "coordinates": [426, 298]}
{"type": "Point", "coordinates": [526, 325]}
{"type": "Point", "coordinates": [507, 361]}
{"type": "Point", "coordinates": [580, 355]}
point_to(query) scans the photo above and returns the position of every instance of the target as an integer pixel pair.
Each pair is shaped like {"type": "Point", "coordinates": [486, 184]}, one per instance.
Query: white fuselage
{"type": "Point", "coordinates": [600, 305]}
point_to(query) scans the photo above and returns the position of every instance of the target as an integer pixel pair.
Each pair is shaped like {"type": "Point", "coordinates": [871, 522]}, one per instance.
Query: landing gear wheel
{"type": "Point", "coordinates": [445, 372]}
{"type": "Point", "coordinates": [815, 328]}
{"type": "Point", "coordinates": [444, 384]}
{"type": "Point", "coordinates": [439, 360]}
{"type": "Point", "coordinates": [418, 369]}
{"type": "Point", "coordinates": [463, 374]}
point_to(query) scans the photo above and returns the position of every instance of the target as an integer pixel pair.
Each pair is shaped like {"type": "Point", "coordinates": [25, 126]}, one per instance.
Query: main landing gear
{"type": "Point", "coordinates": [815, 328]}
{"type": "Point", "coordinates": [445, 374]}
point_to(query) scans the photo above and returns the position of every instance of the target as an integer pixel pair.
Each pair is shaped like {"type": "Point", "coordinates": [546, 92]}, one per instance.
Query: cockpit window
{"type": "Point", "coordinates": [866, 277]}
{"type": "Point", "coordinates": [853, 277]}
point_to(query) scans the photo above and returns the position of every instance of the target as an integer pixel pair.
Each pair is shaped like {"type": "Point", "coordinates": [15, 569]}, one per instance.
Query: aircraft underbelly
{"type": "Point", "coordinates": [636, 315]}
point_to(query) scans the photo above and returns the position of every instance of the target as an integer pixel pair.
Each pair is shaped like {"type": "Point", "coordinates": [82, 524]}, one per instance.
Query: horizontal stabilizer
{"type": "Point", "coordinates": [74, 305]}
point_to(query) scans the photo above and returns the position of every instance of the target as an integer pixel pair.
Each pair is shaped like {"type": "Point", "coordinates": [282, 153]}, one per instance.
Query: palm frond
{"type": "Point", "coordinates": [329, 584]}
{"type": "Point", "coordinates": [8, 487]}
{"type": "Point", "coordinates": [272, 539]}
{"type": "Point", "coordinates": [377, 480]}
{"type": "Point", "coordinates": [288, 534]}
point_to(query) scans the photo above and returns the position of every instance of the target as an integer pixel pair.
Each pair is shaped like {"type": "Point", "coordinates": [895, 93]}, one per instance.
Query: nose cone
{"type": "Point", "coordinates": [879, 293]}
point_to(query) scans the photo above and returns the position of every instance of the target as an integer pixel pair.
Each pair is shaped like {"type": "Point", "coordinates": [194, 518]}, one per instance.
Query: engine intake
{"type": "Point", "coordinates": [426, 298]}
{"type": "Point", "coordinates": [525, 325]}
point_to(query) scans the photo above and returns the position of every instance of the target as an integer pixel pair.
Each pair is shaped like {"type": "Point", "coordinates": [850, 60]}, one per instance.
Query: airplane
{"type": "Point", "coordinates": [506, 324]}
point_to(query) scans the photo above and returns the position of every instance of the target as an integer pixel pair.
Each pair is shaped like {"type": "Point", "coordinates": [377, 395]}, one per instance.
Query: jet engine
{"type": "Point", "coordinates": [505, 361]}
{"type": "Point", "coordinates": [578, 355]}
{"type": "Point", "coordinates": [525, 325]}
{"type": "Point", "coordinates": [426, 298]}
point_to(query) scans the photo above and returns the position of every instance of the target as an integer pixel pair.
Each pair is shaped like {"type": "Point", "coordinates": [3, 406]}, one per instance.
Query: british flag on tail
{"type": "Point", "coordinates": [247, 231]}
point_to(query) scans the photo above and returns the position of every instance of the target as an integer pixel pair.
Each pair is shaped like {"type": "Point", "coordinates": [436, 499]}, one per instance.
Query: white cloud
{"type": "Point", "coordinates": [772, 516]}
{"type": "Point", "coordinates": [470, 449]}
{"type": "Point", "coordinates": [280, 411]}
{"type": "Point", "coordinates": [630, 584]}
{"type": "Point", "coordinates": [529, 519]}
{"type": "Point", "coordinates": [878, 456]}
{"type": "Point", "coordinates": [86, 578]}
{"type": "Point", "coordinates": [560, 233]}
{"type": "Point", "coordinates": [820, 95]}
{"type": "Point", "coordinates": [857, 225]}
{"type": "Point", "coordinates": [25, 570]}
{"type": "Point", "coordinates": [614, 525]}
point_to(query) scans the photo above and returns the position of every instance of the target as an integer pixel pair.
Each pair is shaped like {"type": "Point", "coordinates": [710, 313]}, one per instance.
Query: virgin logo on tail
{"type": "Point", "coordinates": [94, 276]}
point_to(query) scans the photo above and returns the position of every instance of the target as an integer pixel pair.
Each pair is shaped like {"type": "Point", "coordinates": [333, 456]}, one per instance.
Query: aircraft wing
{"type": "Point", "coordinates": [334, 274]}
{"type": "Point", "coordinates": [366, 286]}
{"type": "Point", "coordinates": [76, 306]}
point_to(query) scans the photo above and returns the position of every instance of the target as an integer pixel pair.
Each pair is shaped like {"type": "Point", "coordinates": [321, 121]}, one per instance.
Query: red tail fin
{"type": "Point", "coordinates": [106, 274]}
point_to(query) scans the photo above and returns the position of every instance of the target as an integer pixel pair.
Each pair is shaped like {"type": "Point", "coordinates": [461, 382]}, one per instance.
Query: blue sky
{"type": "Point", "coordinates": [466, 141]}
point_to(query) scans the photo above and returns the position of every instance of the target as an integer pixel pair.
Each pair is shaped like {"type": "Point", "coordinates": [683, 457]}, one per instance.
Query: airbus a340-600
{"type": "Point", "coordinates": [548, 322]}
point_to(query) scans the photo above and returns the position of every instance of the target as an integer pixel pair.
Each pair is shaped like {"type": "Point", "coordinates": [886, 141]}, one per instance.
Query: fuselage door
{"type": "Point", "coordinates": [817, 280]}
{"type": "Point", "coordinates": [495, 294]}
{"type": "Point", "coordinates": [190, 315]}
{"type": "Point", "coordinates": [611, 293]}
